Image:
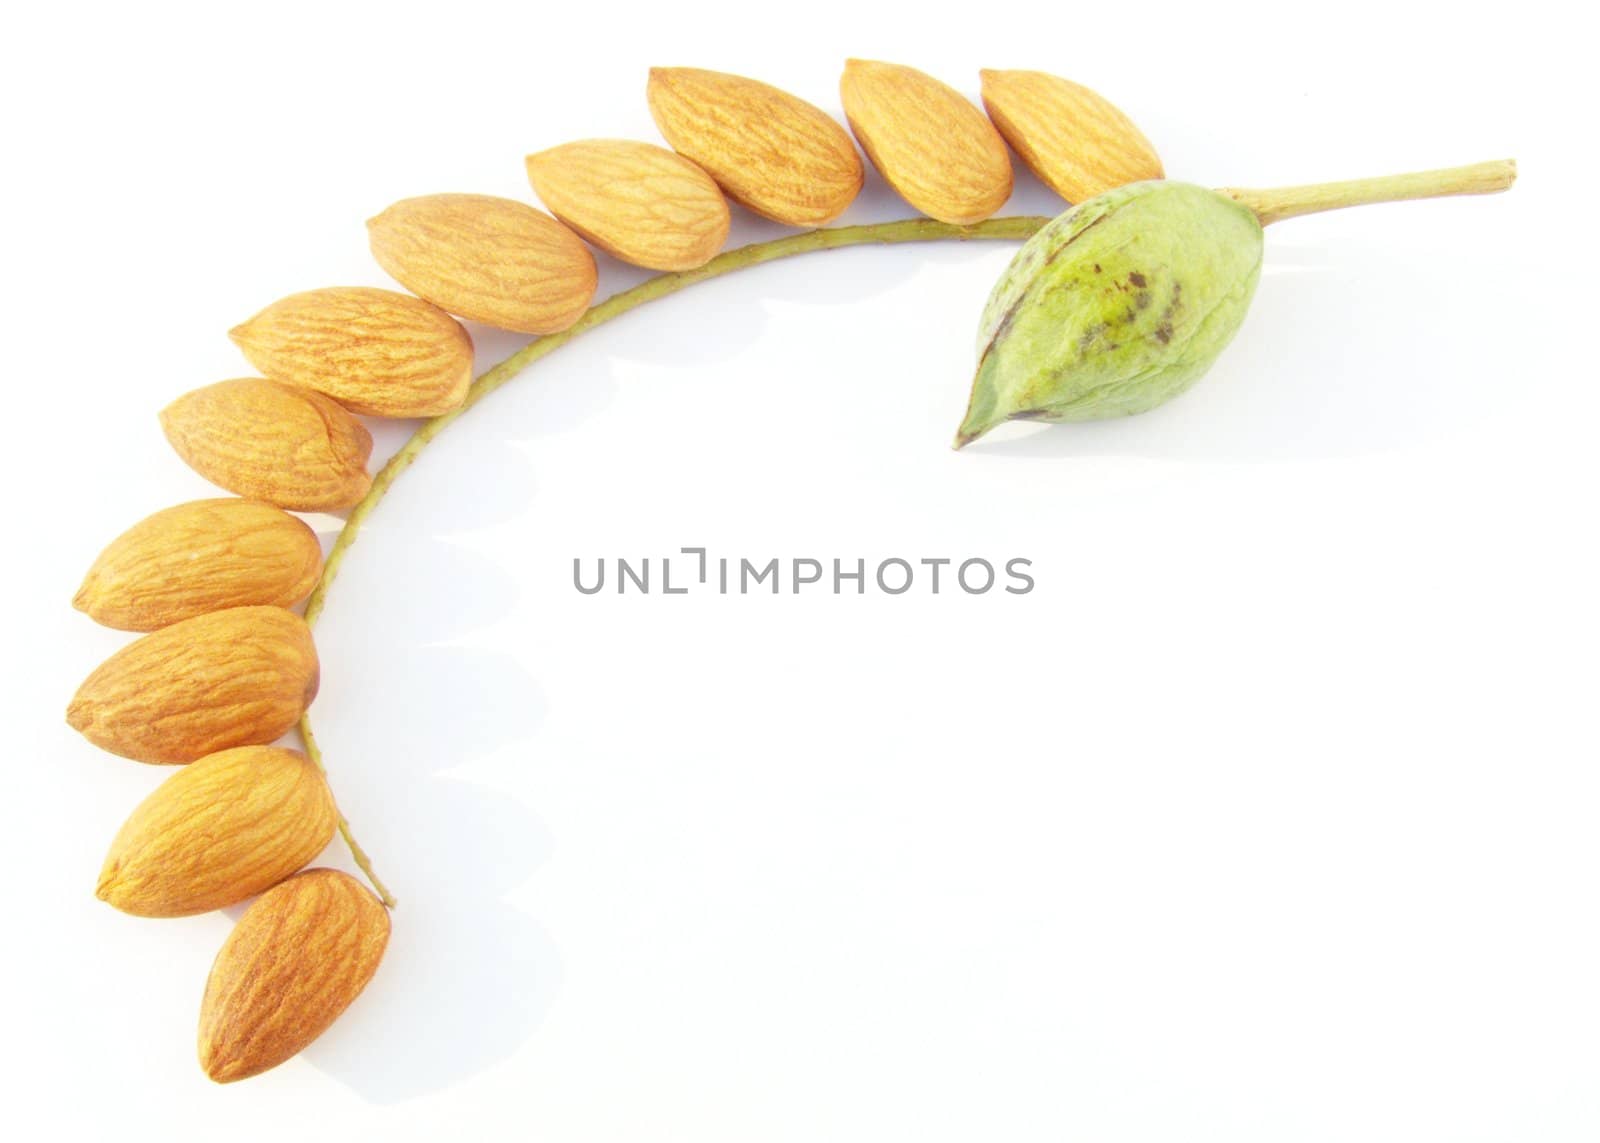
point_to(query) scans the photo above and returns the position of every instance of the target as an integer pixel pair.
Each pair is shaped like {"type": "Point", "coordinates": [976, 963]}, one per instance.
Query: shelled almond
{"type": "Point", "coordinates": [240, 677]}
{"type": "Point", "coordinates": [1075, 140]}
{"type": "Point", "coordinates": [206, 555]}
{"type": "Point", "coordinates": [486, 259]}
{"type": "Point", "coordinates": [637, 202]}
{"type": "Point", "coordinates": [375, 352]}
{"type": "Point", "coordinates": [930, 144]}
{"type": "Point", "coordinates": [770, 151]}
{"type": "Point", "coordinates": [219, 831]}
{"type": "Point", "coordinates": [269, 441]}
{"type": "Point", "coordinates": [295, 961]}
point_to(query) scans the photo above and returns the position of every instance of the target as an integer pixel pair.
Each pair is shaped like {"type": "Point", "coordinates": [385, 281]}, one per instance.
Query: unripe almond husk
{"type": "Point", "coordinates": [376, 352]}
{"type": "Point", "coordinates": [297, 958]}
{"type": "Point", "coordinates": [930, 144]}
{"type": "Point", "coordinates": [1076, 141]}
{"type": "Point", "coordinates": [770, 151]}
{"type": "Point", "coordinates": [206, 555]}
{"type": "Point", "coordinates": [637, 202]}
{"type": "Point", "coordinates": [222, 829]}
{"type": "Point", "coordinates": [270, 441]}
{"type": "Point", "coordinates": [487, 259]}
{"type": "Point", "coordinates": [240, 677]}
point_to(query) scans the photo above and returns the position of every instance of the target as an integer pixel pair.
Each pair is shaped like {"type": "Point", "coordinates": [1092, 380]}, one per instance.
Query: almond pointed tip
{"type": "Point", "coordinates": [215, 1064]}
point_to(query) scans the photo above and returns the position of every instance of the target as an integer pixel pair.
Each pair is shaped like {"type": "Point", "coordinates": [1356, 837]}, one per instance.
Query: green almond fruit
{"type": "Point", "coordinates": [1115, 307]}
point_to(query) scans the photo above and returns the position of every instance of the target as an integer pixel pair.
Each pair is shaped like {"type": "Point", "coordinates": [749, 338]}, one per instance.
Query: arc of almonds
{"type": "Point", "coordinates": [1115, 306]}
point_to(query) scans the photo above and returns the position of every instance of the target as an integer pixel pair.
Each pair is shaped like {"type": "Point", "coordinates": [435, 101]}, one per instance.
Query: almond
{"type": "Point", "coordinates": [220, 830]}
{"type": "Point", "coordinates": [930, 144]}
{"type": "Point", "coordinates": [489, 260]}
{"type": "Point", "coordinates": [374, 351]}
{"type": "Point", "coordinates": [240, 677]}
{"type": "Point", "coordinates": [274, 442]}
{"type": "Point", "coordinates": [773, 153]}
{"type": "Point", "coordinates": [1074, 140]}
{"type": "Point", "coordinates": [637, 202]}
{"type": "Point", "coordinates": [297, 958]}
{"type": "Point", "coordinates": [206, 555]}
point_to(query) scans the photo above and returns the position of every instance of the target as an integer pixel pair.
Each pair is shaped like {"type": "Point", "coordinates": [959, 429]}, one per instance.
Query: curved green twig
{"type": "Point", "coordinates": [910, 230]}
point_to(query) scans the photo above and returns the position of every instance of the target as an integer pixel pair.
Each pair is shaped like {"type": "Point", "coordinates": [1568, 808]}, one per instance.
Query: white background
{"type": "Point", "coordinates": [1269, 815]}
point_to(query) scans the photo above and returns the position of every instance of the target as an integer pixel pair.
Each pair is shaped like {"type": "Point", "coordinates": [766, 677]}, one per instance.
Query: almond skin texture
{"type": "Point", "coordinates": [486, 259]}
{"type": "Point", "coordinates": [930, 144]}
{"type": "Point", "coordinates": [635, 201]}
{"type": "Point", "coordinates": [1075, 141]}
{"type": "Point", "coordinates": [771, 152]}
{"type": "Point", "coordinates": [296, 959]}
{"type": "Point", "coordinates": [220, 830]}
{"type": "Point", "coordinates": [206, 555]}
{"type": "Point", "coordinates": [240, 677]}
{"type": "Point", "coordinates": [375, 352]}
{"type": "Point", "coordinates": [274, 442]}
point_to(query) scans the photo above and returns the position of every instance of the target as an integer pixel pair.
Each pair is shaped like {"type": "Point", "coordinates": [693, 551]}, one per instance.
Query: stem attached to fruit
{"type": "Point", "coordinates": [1287, 202]}
{"type": "Point", "coordinates": [910, 230]}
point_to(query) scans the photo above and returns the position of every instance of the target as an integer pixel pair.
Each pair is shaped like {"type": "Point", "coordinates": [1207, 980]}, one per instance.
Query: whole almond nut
{"type": "Point", "coordinates": [270, 441]}
{"type": "Point", "coordinates": [206, 555]}
{"type": "Point", "coordinates": [770, 151]}
{"type": "Point", "coordinates": [240, 677]}
{"type": "Point", "coordinates": [1073, 139]}
{"type": "Point", "coordinates": [930, 144]}
{"type": "Point", "coordinates": [302, 952]}
{"type": "Point", "coordinates": [222, 829]}
{"type": "Point", "coordinates": [375, 352]}
{"type": "Point", "coordinates": [637, 202]}
{"type": "Point", "coordinates": [486, 259]}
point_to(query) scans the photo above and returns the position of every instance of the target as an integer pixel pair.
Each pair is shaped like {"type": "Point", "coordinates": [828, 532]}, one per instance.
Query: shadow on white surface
{"type": "Point", "coordinates": [466, 994]}
{"type": "Point", "coordinates": [482, 976]}
{"type": "Point", "coordinates": [405, 699]}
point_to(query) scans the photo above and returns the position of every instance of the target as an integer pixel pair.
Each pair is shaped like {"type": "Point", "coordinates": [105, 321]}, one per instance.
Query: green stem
{"type": "Point", "coordinates": [909, 230]}
{"type": "Point", "coordinates": [1291, 202]}
{"type": "Point", "coordinates": [363, 862]}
